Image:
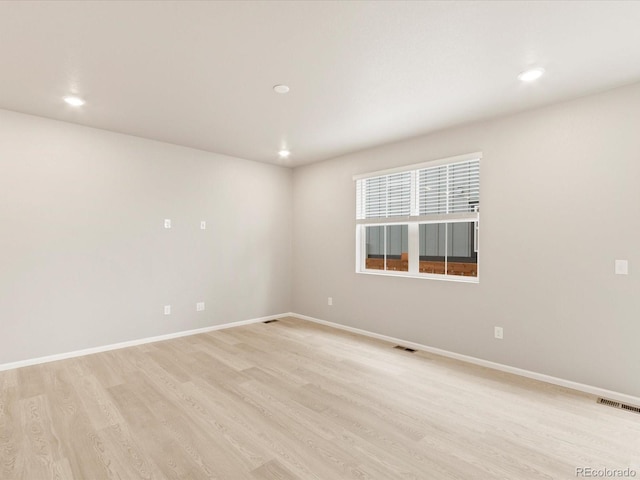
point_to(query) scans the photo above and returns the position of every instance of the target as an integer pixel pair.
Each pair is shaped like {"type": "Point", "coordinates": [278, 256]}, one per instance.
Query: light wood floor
{"type": "Point", "coordinates": [294, 400]}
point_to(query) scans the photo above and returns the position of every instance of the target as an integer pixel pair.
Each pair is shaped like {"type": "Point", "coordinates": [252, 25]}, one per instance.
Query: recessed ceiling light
{"type": "Point", "coordinates": [284, 153]}
{"type": "Point", "coordinates": [281, 88]}
{"type": "Point", "coordinates": [531, 74]}
{"type": "Point", "coordinates": [74, 101]}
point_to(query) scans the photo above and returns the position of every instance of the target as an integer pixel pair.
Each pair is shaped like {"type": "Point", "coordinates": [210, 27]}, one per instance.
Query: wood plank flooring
{"type": "Point", "coordinates": [292, 400]}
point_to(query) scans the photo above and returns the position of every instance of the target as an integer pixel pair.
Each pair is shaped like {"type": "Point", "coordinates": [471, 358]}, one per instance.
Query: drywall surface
{"type": "Point", "coordinates": [560, 202]}
{"type": "Point", "coordinates": [85, 258]}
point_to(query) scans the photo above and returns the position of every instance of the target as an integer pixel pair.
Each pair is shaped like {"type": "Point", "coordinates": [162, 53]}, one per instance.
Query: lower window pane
{"type": "Point", "coordinates": [432, 248]}
{"type": "Point", "coordinates": [397, 248]}
{"type": "Point", "coordinates": [462, 260]}
{"type": "Point", "coordinates": [374, 259]}
{"type": "Point", "coordinates": [448, 246]}
{"type": "Point", "coordinates": [387, 248]}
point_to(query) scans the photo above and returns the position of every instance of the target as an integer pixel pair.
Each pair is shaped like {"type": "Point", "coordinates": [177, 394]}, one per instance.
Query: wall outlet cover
{"type": "Point", "coordinates": [622, 267]}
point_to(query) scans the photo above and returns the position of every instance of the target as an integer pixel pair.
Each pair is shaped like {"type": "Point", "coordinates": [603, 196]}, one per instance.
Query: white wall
{"type": "Point", "coordinates": [85, 260]}
{"type": "Point", "coordinates": [560, 201]}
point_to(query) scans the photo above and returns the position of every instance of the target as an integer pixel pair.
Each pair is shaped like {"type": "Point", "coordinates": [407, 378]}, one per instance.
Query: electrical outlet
{"type": "Point", "coordinates": [622, 267]}
{"type": "Point", "coordinates": [203, 225]}
{"type": "Point", "coordinates": [199, 306]}
{"type": "Point", "coordinates": [330, 301]}
{"type": "Point", "coordinates": [498, 333]}
{"type": "Point", "coordinates": [167, 223]}
{"type": "Point", "coordinates": [167, 309]}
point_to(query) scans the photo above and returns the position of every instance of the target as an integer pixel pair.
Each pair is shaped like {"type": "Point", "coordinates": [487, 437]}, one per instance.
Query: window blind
{"type": "Point", "coordinates": [439, 190]}
{"type": "Point", "coordinates": [452, 188]}
{"type": "Point", "coordinates": [384, 196]}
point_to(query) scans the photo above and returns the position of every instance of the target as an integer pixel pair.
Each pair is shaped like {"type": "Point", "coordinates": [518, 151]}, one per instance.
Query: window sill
{"type": "Point", "coordinates": [422, 276]}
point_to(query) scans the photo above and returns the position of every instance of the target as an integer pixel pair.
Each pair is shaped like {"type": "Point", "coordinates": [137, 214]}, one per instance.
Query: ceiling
{"type": "Point", "coordinates": [361, 74]}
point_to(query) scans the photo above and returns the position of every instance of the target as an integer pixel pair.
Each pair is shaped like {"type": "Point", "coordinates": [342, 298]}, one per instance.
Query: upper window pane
{"type": "Point", "coordinates": [464, 186]}
{"type": "Point", "coordinates": [384, 196]}
{"type": "Point", "coordinates": [399, 195]}
{"type": "Point", "coordinates": [453, 188]}
{"type": "Point", "coordinates": [432, 190]}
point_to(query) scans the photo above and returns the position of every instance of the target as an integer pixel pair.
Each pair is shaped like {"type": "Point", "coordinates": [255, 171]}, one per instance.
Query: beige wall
{"type": "Point", "coordinates": [85, 260]}
{"type": "Point", "coordinates": [560, 201]}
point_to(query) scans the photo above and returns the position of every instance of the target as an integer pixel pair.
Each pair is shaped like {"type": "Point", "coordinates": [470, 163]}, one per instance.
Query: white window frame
{"type": "Point", "coordinates": [413, 221]}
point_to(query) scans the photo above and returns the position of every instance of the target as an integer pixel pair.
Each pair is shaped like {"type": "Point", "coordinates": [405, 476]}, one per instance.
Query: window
{"type": "Point", "coordinates": [421, 220]}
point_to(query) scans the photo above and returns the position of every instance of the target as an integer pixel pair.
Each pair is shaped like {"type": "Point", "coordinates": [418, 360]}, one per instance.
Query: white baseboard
{"type": "Point", "coordinates": [597, 391]}
{"type": "Point", "coordinates": [133, 343]}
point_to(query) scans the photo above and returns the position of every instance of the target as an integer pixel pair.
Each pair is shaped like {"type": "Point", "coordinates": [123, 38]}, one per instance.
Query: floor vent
{"type": "Point", "coordinates": [614, 404]}
{"type": "Point", "coordinates": [630, 407]}
{"type": "Point", "coordinates": [270, 321]}
{"type": "Point", "coordinates": [610, 403]}
{"type": "Point", "coordinates": [406, 349]}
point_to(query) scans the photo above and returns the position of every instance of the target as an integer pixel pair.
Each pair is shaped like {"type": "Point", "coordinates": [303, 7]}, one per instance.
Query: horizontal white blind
{"type": "Point", "coordinates": [418, 166]}
{"type": "Point", "coordinates": [443, 189]}
{"type": "Point", "coordinates": [432, 190]}
{"type": "Point", "coordinates": [452, 188]}
{"type": "Point", "coordinates": [384, 196]}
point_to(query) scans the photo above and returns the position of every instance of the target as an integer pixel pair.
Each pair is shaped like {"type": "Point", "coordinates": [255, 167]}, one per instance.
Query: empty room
{"type": "Point", "coordinates": [319, 240]}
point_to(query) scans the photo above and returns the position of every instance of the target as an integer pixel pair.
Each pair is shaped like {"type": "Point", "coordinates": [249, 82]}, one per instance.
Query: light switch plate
{"type": "Point", "coordinates": [199, 306]}
{"type": "Point", "coordinates": [622, 267]}
{"type": "Point", "coordinates": [203, 225]}
{"type": "Point", "coordinates": [167, 223]}
{"type": "Point", "coordinates": [167, 309]}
